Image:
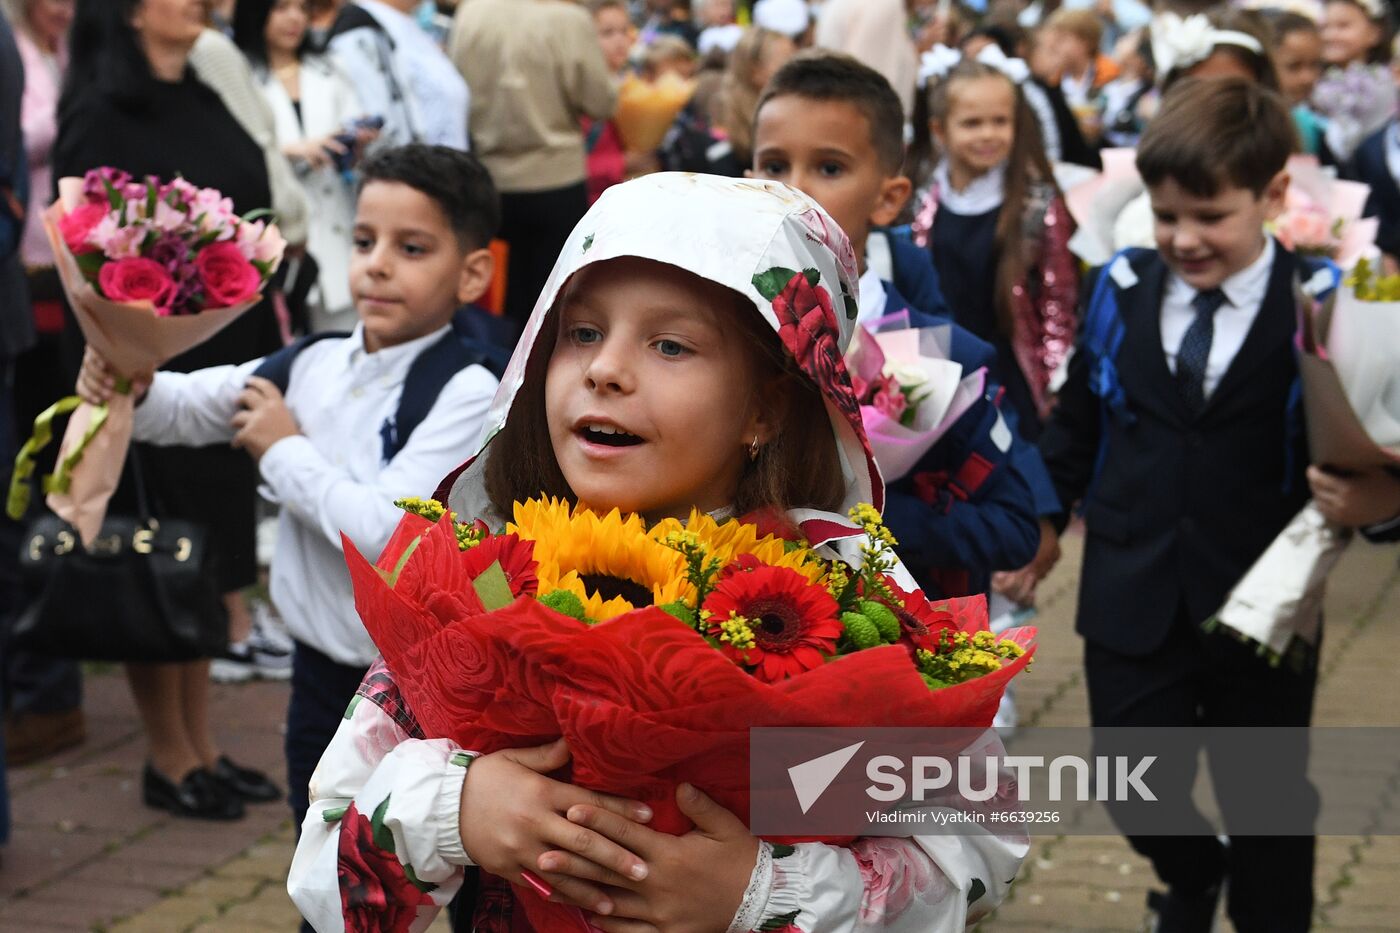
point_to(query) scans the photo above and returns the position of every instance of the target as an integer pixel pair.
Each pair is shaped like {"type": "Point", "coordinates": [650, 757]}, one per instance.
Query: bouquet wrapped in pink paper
{"type": "Point", "coordinates": [910, 392]}
{"type": "Point", "coordinates": [1348, 347]}
{"type": "Point", "coordinates": [1322, 215]}
{"type": "Point", "coordinates": [150, 269]}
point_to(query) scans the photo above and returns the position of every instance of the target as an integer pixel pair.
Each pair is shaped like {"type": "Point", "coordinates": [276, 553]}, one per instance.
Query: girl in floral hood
{"type": "Point", "coordinates": [649, 378]}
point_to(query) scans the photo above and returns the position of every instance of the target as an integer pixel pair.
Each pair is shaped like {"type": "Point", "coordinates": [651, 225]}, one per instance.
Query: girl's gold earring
{"type": "Point", "coordinates": [753, 449]}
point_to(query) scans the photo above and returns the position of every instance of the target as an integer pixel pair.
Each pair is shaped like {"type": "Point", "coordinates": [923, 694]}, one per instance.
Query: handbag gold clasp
{"type": "Point", "coordinates": [183, 549]}
{"type": "Point", "coordinates": [112, 544]}
{"type": "Point", "coordinates": [66, 543]}
{"type": "Point", "coordinates": [141, 541]}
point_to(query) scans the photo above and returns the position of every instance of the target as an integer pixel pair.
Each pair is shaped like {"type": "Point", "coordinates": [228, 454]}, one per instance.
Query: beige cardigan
{"type": "Point", "coordinates": [534, 68]}
{"type": "Point", "coordinates": [219, 64]}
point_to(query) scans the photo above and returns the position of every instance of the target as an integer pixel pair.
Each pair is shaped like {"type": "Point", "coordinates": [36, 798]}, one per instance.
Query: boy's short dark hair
{"type": "Point", "coordinates": [1213, 133]}
{"type": "Point", "coordinates": [456, 180]}
{"type": "Point", "coordinates": [831, 76]}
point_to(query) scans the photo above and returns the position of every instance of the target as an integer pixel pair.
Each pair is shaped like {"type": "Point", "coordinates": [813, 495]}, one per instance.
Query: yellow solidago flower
{"type": "Point", "coordinates": [610, 563]}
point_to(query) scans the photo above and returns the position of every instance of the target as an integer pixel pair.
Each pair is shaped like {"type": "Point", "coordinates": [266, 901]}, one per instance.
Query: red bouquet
{"type": "Point", "coordinates": [654, 651]}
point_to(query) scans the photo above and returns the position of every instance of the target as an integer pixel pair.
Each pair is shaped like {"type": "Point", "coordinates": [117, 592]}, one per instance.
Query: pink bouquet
{"type": "Point", "coordinates": [910, 392]}
{"type": "Point", "coordinates": [150, 269]}
{"type": "Point", "coordinates": [1322, 215]}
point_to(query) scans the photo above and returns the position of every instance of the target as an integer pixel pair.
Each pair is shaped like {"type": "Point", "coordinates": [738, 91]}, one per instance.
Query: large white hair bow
{"type": "Point", "coordinates": [1181, 43]}
{"type": "Point", "coordinates": [939, 60]}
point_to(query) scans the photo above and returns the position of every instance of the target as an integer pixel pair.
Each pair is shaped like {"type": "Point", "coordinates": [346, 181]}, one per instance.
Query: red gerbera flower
{"type": "Point", "coordinates": [516, 556]}
{"type": "Point", "coordinates": [794, 623]}
{"type": "Point", "coordinates": [922, 622]}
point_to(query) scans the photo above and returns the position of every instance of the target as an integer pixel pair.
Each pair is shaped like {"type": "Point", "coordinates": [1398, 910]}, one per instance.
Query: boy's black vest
{"type": "Point", "coordinates": [427, 375]}
{"type": "Point", "coordinates": [1178, 506]}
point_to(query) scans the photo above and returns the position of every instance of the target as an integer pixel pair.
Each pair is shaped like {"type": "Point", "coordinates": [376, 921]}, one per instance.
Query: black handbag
{"type": "Point", "coordinates": [142, 591]}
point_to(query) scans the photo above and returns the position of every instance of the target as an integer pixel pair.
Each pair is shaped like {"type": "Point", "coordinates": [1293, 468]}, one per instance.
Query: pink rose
{"type": "Point", "coordinates": [889, 400]}
{"type": "Point", "coordinates": [229, 278]}
{"type": "Point", "coordinates": [77, 225]}
{"type": "Point", "coordinates": [129, 280]}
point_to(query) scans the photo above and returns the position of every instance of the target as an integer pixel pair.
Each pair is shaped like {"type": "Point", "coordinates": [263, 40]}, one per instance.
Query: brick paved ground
{"type": "Point", "coordinates": [87, 856]}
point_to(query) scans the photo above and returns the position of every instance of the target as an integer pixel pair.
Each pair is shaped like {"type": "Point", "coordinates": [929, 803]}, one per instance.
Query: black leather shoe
{"type": "Point", "coordinates": [199, 796]}
{"type": "Point", "coordinates": [249, 785]}
{"type": "Point", "coordinates": [1183, 913]}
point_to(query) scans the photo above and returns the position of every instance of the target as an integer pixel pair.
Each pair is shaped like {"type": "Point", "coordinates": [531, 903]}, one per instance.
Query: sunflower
{"type": "Point", "coordinates": [608, 562]}
{"type": "Point", "coordinates": [774, 621]}
{"type": "Point", "coordinates": [732, 539]}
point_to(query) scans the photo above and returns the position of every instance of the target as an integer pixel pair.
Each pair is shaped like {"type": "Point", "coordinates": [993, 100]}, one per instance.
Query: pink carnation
{"type": "Point", "coordinates": [130, 280]}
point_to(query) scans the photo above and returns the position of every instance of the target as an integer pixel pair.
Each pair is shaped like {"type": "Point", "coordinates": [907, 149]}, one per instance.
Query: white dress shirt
{"type": "Point", "coordinates": [438, 98]}
{"type": "Point", "coordinates": [872, 297]}
{"type": "Point", "coordinates": [1244, 293]}
{"type": "Point", "coordinates": [331, 477]}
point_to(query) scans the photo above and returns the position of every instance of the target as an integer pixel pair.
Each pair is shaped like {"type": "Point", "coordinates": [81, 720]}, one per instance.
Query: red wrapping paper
{"type": "Point", "coordinates": [644, 702]}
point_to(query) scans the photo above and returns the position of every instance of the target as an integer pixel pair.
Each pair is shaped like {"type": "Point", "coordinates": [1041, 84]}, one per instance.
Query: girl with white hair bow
{"type": "Point", "coordinates": [994, 220]}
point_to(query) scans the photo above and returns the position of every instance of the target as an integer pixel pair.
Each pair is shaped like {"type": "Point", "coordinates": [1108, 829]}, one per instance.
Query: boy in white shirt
{"type": "Point", "coordinates": [376, 415]}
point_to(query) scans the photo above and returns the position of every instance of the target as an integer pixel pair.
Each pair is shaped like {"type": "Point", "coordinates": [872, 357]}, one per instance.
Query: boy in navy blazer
{"type": "Point", "coordinates": [833, 127]}
{"type": "Point", "coordinates": [1179, 435]}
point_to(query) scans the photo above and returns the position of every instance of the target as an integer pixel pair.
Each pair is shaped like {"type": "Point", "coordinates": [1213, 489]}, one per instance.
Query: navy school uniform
{"type": "Point", "coordinates": [1372, 167]}
{"type": "Point", "coordinates": [916, 279]}
{"type": "Point", "coordinates": [1177, 506]}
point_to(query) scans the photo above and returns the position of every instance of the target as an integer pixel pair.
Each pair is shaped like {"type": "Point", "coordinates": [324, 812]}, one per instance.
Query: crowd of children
{"type": "Point", "coordinates": [938, 144]}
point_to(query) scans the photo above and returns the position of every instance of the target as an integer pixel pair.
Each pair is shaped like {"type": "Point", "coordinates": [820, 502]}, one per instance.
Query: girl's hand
{"type": "Point", "coordinates": [511, 813]}
{"type": "Point", "coordinates": [97, 383]}
{"type": "Point", "coordinates": [696, 881]}
{"type": "Point", "coordinates": [314, 152]}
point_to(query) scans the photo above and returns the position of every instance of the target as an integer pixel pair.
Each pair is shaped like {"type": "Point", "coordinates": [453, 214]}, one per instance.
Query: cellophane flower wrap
{"type": "Point", "coordinates": [910, 391]}
{"type": "Point", "coordinates": [1322, 215]}
{"type": "Point", "coordinates": [1348, 345]}
{"type": "Point", "coordinates": [150, 268]}
{"type": "Point", "coordinates": [646, 109]}
{"type": "Point", "coordinates": [653, 651]}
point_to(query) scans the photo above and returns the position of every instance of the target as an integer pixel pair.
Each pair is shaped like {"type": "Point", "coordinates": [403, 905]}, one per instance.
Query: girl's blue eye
{"type": "Point", "coordinates": [581, 334]}
{"type": "Point", "coordinates": [671, 348]}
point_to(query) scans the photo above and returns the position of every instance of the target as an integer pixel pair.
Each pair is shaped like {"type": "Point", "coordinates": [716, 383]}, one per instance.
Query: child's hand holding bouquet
{"type": "Point", "coordinates": [150, 269]}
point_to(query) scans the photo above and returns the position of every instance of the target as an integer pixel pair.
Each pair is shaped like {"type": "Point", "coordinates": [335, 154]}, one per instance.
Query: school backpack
{"type": "Point", "coordinates": [429, 373]}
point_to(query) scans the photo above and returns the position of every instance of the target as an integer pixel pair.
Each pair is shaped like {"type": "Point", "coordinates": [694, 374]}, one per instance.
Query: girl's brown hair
{"type": "Point", "coordinates": [1027, 171]}
{"type": "Point", "coordinates": [799, 467]}
{"type": "Point", "coordinates": [740, 89]}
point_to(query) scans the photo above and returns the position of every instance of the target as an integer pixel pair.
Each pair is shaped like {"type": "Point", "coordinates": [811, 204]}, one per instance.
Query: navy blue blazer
{"type": "Point", "coordinates": [916, 278]}
{"type": "Point", "coordinates": [1182, 505]}
{"type": "Point", "coordinates": [1369, 165]}
{"type": "Point", "coordinates": [964, 510]}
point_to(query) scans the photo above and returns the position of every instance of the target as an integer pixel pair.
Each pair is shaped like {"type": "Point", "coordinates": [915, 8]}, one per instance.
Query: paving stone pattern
{"type": "Point", "coordinates": [86, 855]}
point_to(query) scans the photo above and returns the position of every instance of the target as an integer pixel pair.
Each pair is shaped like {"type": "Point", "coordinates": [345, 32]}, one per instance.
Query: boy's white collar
{"type": "Point", "coordinates": [387, 355]}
